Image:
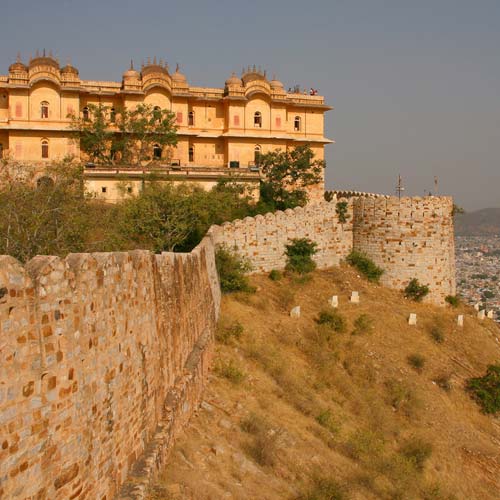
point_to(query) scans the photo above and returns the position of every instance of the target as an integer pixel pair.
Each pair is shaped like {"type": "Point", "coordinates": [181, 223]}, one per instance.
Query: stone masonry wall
{"type": "Point", "coordinates": [262, 238]}
{"type": "Point", "coordinates": [408, 238]}
{"type": "Point", "coordinates": [103, 358]}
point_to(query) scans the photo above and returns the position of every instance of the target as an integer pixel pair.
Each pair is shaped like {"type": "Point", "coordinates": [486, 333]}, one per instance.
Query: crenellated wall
{"type": "Point", "coordinates": [262, 239]}
{"type": "Point", "coordinates": [103, 356]}
{"type": "Point", "coordinates": [408, 238]}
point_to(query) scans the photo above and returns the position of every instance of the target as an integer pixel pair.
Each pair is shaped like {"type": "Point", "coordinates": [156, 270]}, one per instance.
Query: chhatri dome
{"type": "Point", "coordinates": [233, 80]}
{"type": "Point", "coordinates": [131, 72]}
{"type": "Point", "coordinates": [276, 84]}
{"type": "Point", "coordinates": [18, 65]}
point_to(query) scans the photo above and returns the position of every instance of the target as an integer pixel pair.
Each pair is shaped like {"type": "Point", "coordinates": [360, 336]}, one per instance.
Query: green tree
{"type": "Point", "coordinates": [130, 135]}
{"type": "Point", "coordinates": [48, 217]}
{"type": "Point", "coordinates": [288, 174]}
{"type": "Point", "coordinates": [143, 127]}
{"type": "Point", "coordinates": [94, 134]}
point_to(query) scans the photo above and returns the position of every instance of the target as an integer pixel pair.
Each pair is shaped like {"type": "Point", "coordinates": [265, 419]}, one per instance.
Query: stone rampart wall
{"type": "Point", "coordinates": [409, 238]}
{"type": "Point", "coordinates": [262, 239]}
{"type": "Point", "coordinates": [103, 358]}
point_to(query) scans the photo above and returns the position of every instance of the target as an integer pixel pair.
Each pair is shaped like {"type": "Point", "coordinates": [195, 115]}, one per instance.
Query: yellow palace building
{"type": "Point", "coordinates": [221, 131]}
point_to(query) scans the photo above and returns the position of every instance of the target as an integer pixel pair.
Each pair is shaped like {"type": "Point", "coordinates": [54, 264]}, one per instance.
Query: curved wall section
{"type": "Point", "coordinates": [408, 238]}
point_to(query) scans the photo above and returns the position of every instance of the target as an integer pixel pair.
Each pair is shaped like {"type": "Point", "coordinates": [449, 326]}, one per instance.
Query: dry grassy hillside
{"type": "Point", "coordinates": [297, 410]}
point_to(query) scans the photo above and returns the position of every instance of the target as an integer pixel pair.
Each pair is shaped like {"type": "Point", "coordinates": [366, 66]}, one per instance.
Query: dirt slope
{"type": "Point", "coordinates": [295, 409]}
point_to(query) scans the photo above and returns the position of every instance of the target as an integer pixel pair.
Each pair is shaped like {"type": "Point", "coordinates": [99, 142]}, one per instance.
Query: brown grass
{"type": "Point", "coordinates": [322, 412]}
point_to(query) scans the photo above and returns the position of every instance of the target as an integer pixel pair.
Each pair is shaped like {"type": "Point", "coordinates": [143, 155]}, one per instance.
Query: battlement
{"type": "Point", "coordinates": [104, 356]}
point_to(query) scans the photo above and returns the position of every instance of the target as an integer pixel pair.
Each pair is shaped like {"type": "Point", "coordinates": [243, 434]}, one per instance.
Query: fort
{"type": "Point", "coordinates": [104, 356]}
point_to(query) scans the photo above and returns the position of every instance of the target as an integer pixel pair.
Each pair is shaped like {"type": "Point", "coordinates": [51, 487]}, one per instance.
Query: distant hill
{"type": "Point", "coordinates": [485, 222]}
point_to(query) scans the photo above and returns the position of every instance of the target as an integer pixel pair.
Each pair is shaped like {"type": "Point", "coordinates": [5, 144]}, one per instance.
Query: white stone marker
{"type": "Point", "coordinates": [476, 307]}
{"type": "Point", "coordinates": [295, 312]}
{"type": "Point", "coordinates": [334, 301]}
{"type": "Point", "coordinates": [481, 314]}
{"type": "Point", "coordinates": [355, 297]}
{"type": "Point", "coordinates": [490, 314]}
{"type": "Point", "coordinates": [460, 320]}
{"type": "Point", "coordinates": [412, 320]}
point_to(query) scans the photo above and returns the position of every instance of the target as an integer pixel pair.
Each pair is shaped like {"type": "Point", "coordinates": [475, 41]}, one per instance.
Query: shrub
{"type": "Point", "coordinates": [365, 266]}
{"type": "Point", "coordinates": [415, 291]}
{"type": "Point", "coordinates": [275, 275]}
{"type": "Point", "coordinates": [328, 421]}
{"type": "Point", "coordinates": [417, 451]}
{"type": "Point", "coordinates": [253, 424]}
{"type": "Point", "coordinates": [362, 324]}
{"type": "Point", "coordinates": [486, 389]}
{"type": "Point", "coordinates": [341, 211]}
{"type": "Point", "coordinates": [332, 319]}
{"type": "Point", "coordinates": [299, 254]}
{"type": "Point", "coordinates": [400, 396]}
{"type": "Point", "coordinates": [437, 334]}
{"type": "Point", "coordinates": [226, 334]}
{"type": "Point", "coordinates": [416, 361]}
{"type": "Point", "coordinates": [231, 268]}
{"type": "Point", "coordinates": [325, 489]}
{"type": "Point", "coordinates": [453, 300]}
{"type": "Point", "coordinates": [230, 370]}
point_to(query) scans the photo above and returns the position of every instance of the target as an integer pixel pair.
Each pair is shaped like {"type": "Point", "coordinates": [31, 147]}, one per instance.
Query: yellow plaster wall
{"type": "Point", "coordinates": [45, 91]}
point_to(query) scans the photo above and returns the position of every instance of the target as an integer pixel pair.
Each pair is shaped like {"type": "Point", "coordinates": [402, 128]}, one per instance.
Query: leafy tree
{"type": "Point", "coordinates": [415, 291]}
{"type": "Point", "coordinates": [51, 216]}
{"type": "Point", "coordinates": [288, 175]}
{"type": "Point", "coordinates": [232, 269]}
{"type": "Point", "coordinates": [486, 389]}
{"type": "Point", "coordinates": [365, 266]}
{"type": "Point", "coordinates": [94, 133]}
{"type": "Point", "coordinates": [141, 128]}
{"type": "Point", "coordinates": [127, 134]}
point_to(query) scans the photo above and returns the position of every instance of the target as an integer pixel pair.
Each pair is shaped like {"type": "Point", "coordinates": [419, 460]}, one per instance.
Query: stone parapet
{"type": "Point", "coordinates": [97, 352]}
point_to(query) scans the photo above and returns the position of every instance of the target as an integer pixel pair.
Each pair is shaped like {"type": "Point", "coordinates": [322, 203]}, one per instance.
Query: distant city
{"type": "Point", "coordinates": [478, 271]}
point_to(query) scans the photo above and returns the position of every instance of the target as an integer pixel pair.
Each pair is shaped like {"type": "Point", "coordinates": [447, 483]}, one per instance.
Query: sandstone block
{"type": "Point", "coordinates": [295, 312]}
{"type": "Point", "coordinates": [334, 301]}
{"type": "Point", "coordinates": [412, 320]}
{"type": "Point", "coordinates": [355, 297]}
{"type": "Point", "coordinates": [490, 314]}
{"type": "Point", "coordinates": [481, 314]}
{"type": "Point", "coordinates": [460, 320]}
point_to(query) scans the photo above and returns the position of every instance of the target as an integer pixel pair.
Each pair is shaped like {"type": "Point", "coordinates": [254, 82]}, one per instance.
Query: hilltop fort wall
{"type": "Point", "coordinates": [103, 359]}
{"type": "Point", "coordinates": [407, 237]}
{"type": "Point", "coordinates": [103, 356]}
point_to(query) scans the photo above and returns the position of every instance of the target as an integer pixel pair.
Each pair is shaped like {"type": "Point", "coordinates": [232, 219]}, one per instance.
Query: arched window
{"type": "Point", "coordinates": [157, 114]}
{"type": "Point", "coordinates": [257, 152]}
{"type": "Point", "coordinates": [44, 109]}
{"type": "Point", "coordinates": [85, 113]}
{"type": "Point", "coordinates": [257, 119]}
{"type": "Point", "coordinates": [112, 115]}
{"type": "Point", "coordinates": [191, 119]}
{"type": "Point", "coordinates": [45, 148]}
{"type": "Point", "coordinates": [191, 154]}
{"type": "Point", "coordinates": [157, 152]}
{"type": "Point", "coordinates": [296, 123]}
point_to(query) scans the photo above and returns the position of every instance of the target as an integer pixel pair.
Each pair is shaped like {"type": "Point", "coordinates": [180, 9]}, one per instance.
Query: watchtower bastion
{"type": "Point", "coordinates": [104, 357]}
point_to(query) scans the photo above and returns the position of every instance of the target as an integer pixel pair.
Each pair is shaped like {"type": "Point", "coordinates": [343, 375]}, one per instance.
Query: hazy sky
{"type": "Point", "coordinates": [415, 83]}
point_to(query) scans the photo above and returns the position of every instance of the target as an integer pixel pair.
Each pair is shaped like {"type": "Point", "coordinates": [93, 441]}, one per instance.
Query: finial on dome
{"type": "Point", "coordinates": [177, 67]}
{"type": "Point", "coordinates": [154, 60]}
{"type": "Point", "coordinates": [149, 61]}
{"type": "Point", "coordinates": [254, 68]}
{"type": "Point", "coordinates": [18, 58]}
{"type": "Point", "coordinates": [265, 74]}
{"type": "Point", "coordinates": [162, 63]}
{"type": "Point", "coordinates": [131, 64]}
{"type": "Point", "coordinates": [44, 53]}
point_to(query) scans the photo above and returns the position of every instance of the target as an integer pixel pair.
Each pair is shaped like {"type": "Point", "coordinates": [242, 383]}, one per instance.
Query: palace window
{"type": "Point", "coordinates": [257, 119]}
{"type": "Point", "coordinates": [85, 113]}
{"type": "Point", "coordinates": [296, 124]}
{"type": "Point", "coordinates": [44, 109]}
{"type": "Point", "coordinates": [157, 114]}
{"type": "Point", "coordinates": [112, 115]}
{"type": "Point", "coordinates": [257, 152]}
{"type": "Point", "coordinates": [191, 119]}
{"type": "Point", "coordinates": [191, 154]}
{"type": "Point", "coordinates": [45, 148]}
{"type": "Point", "coordinates": [157, 152]}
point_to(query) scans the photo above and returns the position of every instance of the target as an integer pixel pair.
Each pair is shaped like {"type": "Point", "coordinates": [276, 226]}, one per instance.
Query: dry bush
{"type": "Point", "coordinates": [416, 361]}
{"type": "Point", "coordinates": [227, 334]}
{"type": "Point", "coordinates": [229, 370]}
{"type": "Point", "coordinates": [401, 396]}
